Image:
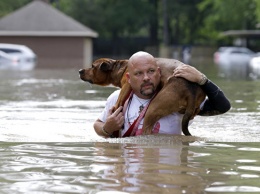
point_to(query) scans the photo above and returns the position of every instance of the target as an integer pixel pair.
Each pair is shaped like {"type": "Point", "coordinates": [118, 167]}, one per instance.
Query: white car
{"type": "Point", "coordinates": [254, 67]}
{"type": "Point", "coordinates": [233, 56]}
{"type": "Point", "coordinates": [233, 61]}
{"type": "Point", "coordinates": [7, 60]}
{"type": "Point", "coordinates": [15, 56]}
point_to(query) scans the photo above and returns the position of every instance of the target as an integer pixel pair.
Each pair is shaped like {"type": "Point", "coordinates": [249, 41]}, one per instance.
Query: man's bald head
{"type": "Point", "coordinates": [140, 57]}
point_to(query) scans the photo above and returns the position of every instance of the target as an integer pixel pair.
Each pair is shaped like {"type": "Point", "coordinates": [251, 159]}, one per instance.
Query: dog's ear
{"type": "Point", "coordinates": [106, 66]}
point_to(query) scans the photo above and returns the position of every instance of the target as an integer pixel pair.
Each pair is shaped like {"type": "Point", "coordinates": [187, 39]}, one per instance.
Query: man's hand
{"type": "Point", "coordinates": [115, 120]}
{"type": "Point", "coordinates": [189, 73]}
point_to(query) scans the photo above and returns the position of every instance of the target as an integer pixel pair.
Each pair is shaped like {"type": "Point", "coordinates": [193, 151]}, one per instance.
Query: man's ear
{"type": "Point", "coordinates": [127, 77]}
{"type": "Point", "coordinates": [159, 70]}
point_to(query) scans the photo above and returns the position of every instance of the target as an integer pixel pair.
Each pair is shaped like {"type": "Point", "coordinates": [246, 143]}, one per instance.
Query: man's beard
{"type": "Point", "coordinates": [147, 92]}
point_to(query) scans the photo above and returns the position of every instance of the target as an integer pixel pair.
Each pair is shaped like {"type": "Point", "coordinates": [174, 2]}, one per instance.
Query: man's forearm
{"type": "Point", "coordinates": [216, 103]}
{"type": "Point", "coordinates": [99, 128]}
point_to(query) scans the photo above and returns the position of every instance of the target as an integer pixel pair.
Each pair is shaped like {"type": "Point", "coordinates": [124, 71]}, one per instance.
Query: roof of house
{"type": "Point", "coordinates": [40, 19]}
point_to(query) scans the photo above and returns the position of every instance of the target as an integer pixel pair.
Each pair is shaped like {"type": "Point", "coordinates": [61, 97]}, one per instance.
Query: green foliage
{"type": "Point", "coordinates": [227, 15]}
{"type": "Point", "coordinates": [186, 21]}
{"type": "Point", "coordinates": [111, 17]}
{"type": "Point", "coordinates": [257, 10]}
{"type": "Point", "coordinates": [7, 6]}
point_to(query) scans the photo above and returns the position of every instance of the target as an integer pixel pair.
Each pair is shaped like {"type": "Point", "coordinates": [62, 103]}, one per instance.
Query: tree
{"type": "Point", "coordinates": [120, 22]}
{"type": "Point", "coordinates": [7, 6]}
{"type": "Point", "coordinates": [185, 20]}
{"type": "Point", "coordinates": [111, 18]}
{"type": "Point", "coordinates": [227, 15]}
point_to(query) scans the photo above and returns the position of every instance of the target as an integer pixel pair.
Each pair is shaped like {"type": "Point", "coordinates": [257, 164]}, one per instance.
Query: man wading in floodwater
{"type": "Point", "coordinates": [144, 77]}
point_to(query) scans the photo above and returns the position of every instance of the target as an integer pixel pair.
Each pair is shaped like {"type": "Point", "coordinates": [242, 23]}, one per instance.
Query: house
{"type": "Point", "coordinates": [58, 40]}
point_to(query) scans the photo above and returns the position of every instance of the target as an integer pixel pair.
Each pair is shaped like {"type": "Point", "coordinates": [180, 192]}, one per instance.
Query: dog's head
{"type": "Point", "coordinates": [99, 73]}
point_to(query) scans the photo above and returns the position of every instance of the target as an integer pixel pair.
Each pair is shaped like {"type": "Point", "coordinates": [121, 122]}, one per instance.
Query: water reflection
{"type": "Point", "coordinates": [234, 71]}
{"type": "Point", "coordinates": [179, 166]}
{"type": "Point", "coordinates": [238, 71]}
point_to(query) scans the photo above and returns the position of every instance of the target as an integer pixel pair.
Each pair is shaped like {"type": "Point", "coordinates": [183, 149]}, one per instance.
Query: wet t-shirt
{"type": "Point", "coordinates": [170, 124]}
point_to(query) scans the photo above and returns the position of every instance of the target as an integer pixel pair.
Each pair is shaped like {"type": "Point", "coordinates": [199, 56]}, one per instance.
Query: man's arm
{"type": "Point", "coordinates": [99, 128]}
{"type": "Point", "coordinates": [216, 103]}
{"type": "Point", "coordinates": [113, 123]}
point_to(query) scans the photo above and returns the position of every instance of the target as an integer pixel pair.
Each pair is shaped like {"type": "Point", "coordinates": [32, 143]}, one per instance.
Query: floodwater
{"type": "Point", "coordinates": [48, 145]}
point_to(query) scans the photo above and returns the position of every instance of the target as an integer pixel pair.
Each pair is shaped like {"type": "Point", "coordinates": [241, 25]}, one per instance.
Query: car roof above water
{"type": "Point", "coordinates": [11, 48]}
{"type": "Point", "coordinates": [235, 49]}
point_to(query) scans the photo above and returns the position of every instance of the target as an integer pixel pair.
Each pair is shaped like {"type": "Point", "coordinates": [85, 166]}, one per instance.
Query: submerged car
{"type": "Point", "coordinates": [7, 60]}
{"type": "Point", "coordinates": [254, 67]}
{"type": "Point", "coordinates": [233, 55]}
{"type": "Point", "coordinates": [15, 56]}
{"type": "Point", "coordinates": [233, 61]}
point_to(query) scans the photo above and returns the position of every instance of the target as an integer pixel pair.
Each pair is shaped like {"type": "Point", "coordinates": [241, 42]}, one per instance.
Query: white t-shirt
{"type": "Point", "coordinates": [170, 124]}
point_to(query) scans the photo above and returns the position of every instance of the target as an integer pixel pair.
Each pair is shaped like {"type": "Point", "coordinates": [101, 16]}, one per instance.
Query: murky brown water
{"type": "Point", "coordinates": [48, 144]}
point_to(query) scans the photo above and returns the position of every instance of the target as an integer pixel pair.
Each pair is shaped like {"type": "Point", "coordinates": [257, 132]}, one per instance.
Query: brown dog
{"type": "Point", "coordinates": [176, 94]}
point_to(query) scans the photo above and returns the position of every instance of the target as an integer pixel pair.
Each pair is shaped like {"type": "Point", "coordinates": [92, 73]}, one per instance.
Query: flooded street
{"type": "Point", "coordinates": [48, 105]}
{"type": "Point", "coordinates": [48, 144]}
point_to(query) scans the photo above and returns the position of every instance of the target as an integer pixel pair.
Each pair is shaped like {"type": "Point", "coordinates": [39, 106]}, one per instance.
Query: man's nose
{"type": "Point", "coordinates": [146, 76]}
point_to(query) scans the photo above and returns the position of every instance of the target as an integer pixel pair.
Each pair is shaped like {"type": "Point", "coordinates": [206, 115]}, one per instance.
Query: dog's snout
{"type": "Point", "coordinates": [81, 71]}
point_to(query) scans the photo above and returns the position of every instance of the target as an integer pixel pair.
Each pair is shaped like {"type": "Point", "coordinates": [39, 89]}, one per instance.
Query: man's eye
{"type": "Point", "coordinates": [151, 71]}
{"type": "Point", "coordinates": [138, 73]}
